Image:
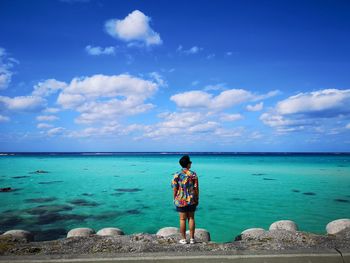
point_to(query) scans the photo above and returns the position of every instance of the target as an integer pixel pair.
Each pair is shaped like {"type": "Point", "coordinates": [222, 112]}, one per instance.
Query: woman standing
{"type": "Point", "coordinates": [186, 197]}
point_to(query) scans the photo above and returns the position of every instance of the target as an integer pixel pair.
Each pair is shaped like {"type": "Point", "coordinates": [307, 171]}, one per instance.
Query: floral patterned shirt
{"type": "Point", "coordinates": [186, 183]}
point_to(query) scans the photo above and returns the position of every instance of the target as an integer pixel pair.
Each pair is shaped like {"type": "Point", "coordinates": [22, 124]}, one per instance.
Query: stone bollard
{"type": "Point", "coordinates": [284, 225]}
{"type": "Point", "coordinates": [20, 234]}
{"type": "Point", "coordinates": [80, 232]}
{"type": "Point", "coordinates": [200, 235]}
{"type": "Point", "coordinates": [337, 226]}
{"type": "Point", "coordinates": [168, 231]}
{"type": "Point", "coordinates": [110, 231]}
{"type": "Point", "coordinates": [252, 233]}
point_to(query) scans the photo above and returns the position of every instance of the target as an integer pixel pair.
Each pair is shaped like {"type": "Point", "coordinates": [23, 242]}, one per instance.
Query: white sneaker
{"type": "Point", "coordinates": [192, 241]}
{"type": "Point", "coordinates": [183, 241]}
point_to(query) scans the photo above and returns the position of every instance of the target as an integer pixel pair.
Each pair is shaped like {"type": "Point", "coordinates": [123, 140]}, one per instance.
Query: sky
{"type": "Point", "coordinates": [160, 75]}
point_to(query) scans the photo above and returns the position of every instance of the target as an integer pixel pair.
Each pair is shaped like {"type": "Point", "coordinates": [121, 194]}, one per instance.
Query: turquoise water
{"type": "Point", "coordinates": [133, 192]}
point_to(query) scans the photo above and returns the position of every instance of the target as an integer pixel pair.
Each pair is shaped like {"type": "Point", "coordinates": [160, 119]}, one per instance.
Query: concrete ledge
{"type": "Point", "coordinates": [280, 258]}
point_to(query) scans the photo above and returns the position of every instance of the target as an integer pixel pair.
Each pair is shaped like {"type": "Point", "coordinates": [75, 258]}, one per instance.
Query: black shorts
{"type": "Point", "coordinates": [185, 209]}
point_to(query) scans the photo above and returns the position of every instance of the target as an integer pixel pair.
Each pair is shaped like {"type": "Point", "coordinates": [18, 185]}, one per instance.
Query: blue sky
{"type": "Point", "coordinates": [79, 75]}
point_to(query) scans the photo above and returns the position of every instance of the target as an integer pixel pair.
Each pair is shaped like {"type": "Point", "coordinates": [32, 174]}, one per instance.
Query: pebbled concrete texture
{"type": "Point", "coordinates": [329, 257]}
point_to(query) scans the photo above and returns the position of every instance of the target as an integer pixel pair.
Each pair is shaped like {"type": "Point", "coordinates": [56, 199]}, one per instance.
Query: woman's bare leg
{"type": "Point", "coordinates": [183, 218]}
{"type": "Point", "coordinates": [191, 223]}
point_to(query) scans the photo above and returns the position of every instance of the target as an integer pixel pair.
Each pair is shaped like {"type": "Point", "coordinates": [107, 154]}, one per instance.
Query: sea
{"type": "Point", "coordinates": [52, 193]}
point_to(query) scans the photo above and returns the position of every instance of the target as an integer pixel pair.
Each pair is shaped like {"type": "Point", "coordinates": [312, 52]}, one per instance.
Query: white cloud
{"type": "Point", "coordinates": [158, 78]}
{"type": "Point", "coordinates": [226, 99]}
{"type": "Point", "coordinates": [219, 86]}
{"type": "Point", "coordinates": [347, 126]}
{"type": "Point", "coordinates": [310, 110]}
{"type": "Point", "coordinates": [255, 135]}
{"type": "Point", "coordinates": [134, 27]}
{"type": "Point", "coordinates": [229, 133]}
{"type": "Point", "coordinates": [181, 124]}
{"type": "Point", "coordinates": [192, 99]}
{"type": "Point", "coordinates": [55, 131]}
{"type": "Point", "coordinates": [5, 78]}
{"type": "Point", "coordinates": [285, 125]}
{"type": "Point", "coordinates": [327, 102]}
{"type": "Point", "coordinates": [194, 126]}
{"type": "Point", "coordinates": [191, 51]}
{"type": "Point", "coordinates": [48, 87]}
{"type": "Point", "coordinates": [111, 129]}
{"type": "Point", "coordinates": [265, 96]}
{"type": "Point", "coordinates": [276, 120]}
{"type": "Point", "coordinates": [97, 51]}
{"type": "Point", "coordinates": [104, 111]}
{"type": "Point", "coordinates": [102, 98]}
{"type": "Point", "coordinates": [229, 53]}
{"type": "Point", "coordinates": [47, 118]}
{"type": "Point", "coordinates": [256, 107]}
{"type": "Point", "coordinates": [22, 103]}
{"type": "Point", "coordinates": [44, 126]}
{"type": "Point", "coordinates": [124, 86]}
{"type": "Point", "coordinates": [51, 110]}
{"type": "Point", "coordinates": [6, 64]}
{"type": "Point", "coordinates": [232, 97]}
{"type": "Point", "coordinates": [210, 56]}
{"type": "Point", "coordinates": [4, 118]}
{"type": "Point", "coordinates": [231, 117]}
{"type": "Point", "coordinates": [195, 83]}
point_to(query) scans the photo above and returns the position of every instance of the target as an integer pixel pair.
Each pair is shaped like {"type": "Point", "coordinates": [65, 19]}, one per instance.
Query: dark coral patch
{"type": "Point", "coordinates": [341, 200]}
{"type": "Point", "coordinates": [269, 179]}
{"type": "Point", "coordinates": [295, 191]}
{"type": "Point", "coordinates": [39, 172]}
{"type": "Point", "coordinates": [10, 221]}
{"type": "Point", "coordinates": [237, 199]}
{"type": "Point", "coordinates": [83, 202]}
{"type": "Point", "coordinates": [20, 177]}
{"type": "Point", "coordinates": [133, 212]}
{"type": "Point", "coordinates": [49, 234]}
{"type": "Point", "coordinates": [87, 194]}
{"type": "Point", "coordinates": [128, 190]}
{"type": "Point", "coordinates": [117, 194]}
{"type": "Point", "coordinates": [51, 182]}
{"type": "Point", "coordinates": [40, 200]}
{"type": "Point", "coordinates": [42, 209]}
{"type": "Point", "coordinates": [6, 189]}
{"type": "Point", "coordinates": [309, 193]}
{"type": "Point", "coordinates": [107, 215]}
{"type": "Point", "coordinates": [50, 218]}
{"type": "Point", "coordinates": [258, 174]}
{"type": "Point", "coordinates": [9, 189]}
